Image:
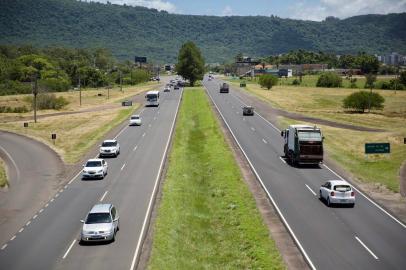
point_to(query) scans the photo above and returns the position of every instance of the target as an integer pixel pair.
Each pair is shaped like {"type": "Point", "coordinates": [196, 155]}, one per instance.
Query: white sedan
{"type": "Point", "coordinates": [337, 192]}
{"type": "Point", "coordinates": [109, 148]}
{"type": "Point", "coordinates": [135, 120]}
{"type": "Point", "coordinates": [94, 168]}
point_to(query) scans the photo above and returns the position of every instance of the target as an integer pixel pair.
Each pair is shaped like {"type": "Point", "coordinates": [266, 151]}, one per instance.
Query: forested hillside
{"type": "Point", "coordinates": [129, 31]}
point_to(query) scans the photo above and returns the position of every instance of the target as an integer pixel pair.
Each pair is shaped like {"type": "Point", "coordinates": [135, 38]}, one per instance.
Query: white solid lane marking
{"type": "Point", "coordinates": [46, 205]}
{"type": "Point", "coordinates": [366, 197]}
{"type": "Point", "coordinates": [311, 190]}
{"type": "Point", "coordinates": [309, 261]}
{"type": "Point", "coordinates": [70, 182]}
{"type": "Point", "coordinates": [28, 223]}
{"type": "Point", "coordinates": [243, 118]}
{"type": "Point", "coordinates": [365, 246]}
{"type": "Point", "coordinates": [12, 161]}
{"type": "Point", "coordinates": [66, 186]}
{"type": "Point", "coordinates": [135, 147]}
{"type": "Point", "coordinates": [12, 238]}
{"type": "Point", "coordinates": [21, 230]}
{"type": "Point", "coordinates": [264, 141]}
{"type": "Point", "coordinates": [56, 195]}
{"type": "Point", "coordinates": [143, 134]}
{"type": "Point", "coordinates": [40, 211]}
{"type": "Point", "coordinates": [4, 246]}
{"type": "Point", "coordinates": [52, 200]}
{"type": "Point", "coordinates": [284, 161]}
{"type": "Point", "coordinates": [70, 247]}
{"type": "Point", "coordinates": [104, 195]}
{"type": "Point", "coordinates": [252, 128]}
{"type": "Point", "coordinates": [34, 217]}
{"type": "Point", "coordinates": [60, 191]}
{"type": "Point", "coordinates": [154, 190]}
{"type": "Point", "coordinates": [122, 167]}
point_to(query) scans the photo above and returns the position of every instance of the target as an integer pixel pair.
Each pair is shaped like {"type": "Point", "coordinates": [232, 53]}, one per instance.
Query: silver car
{"type": "Point", "coordinates": [101, 224]}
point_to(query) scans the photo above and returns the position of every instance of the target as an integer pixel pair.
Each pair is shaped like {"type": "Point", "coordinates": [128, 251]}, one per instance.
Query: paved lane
{"type": "Point", "coordinates": [50, 241]}
{"type": "Point", "coordinates": [363, 237]}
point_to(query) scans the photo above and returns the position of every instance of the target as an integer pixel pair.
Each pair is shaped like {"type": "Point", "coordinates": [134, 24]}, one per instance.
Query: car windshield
{"type": "Point", "coordinates": [109, 144]}
{"type": "Point", "coordinates": [342, 188]}
{"type": "Point", "coordinates": [151, 97]}
{"type": "Point", "coordinates": [94, 218]}
{"type": "Point", "coordinates": [135, 117]}
{"type": "Point", "coordinates": [93, 164]}
{"type": "Point", "coordinates": [309, 136]}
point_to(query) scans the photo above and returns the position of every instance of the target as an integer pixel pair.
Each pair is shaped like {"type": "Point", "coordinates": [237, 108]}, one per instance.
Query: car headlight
{"type": "Point", "coordinates": [99, 171]}
{"type": "Point", "coordinates": [84, 171]}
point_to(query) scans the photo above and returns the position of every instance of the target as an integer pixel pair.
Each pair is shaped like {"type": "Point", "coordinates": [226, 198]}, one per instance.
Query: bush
{"type": "Point", "coordinates": [268, 81]}
{"type": "Point", "coordinates": [390, 85]}
{"type": "Point", "coordinates": [14, 88]}
{"type": "Point", "coordinates": [296, 82]}
{"type": "Point", "coordinates": [330, 80]}
{"type": "Point", "coordinates": [6, 109]}
{"type": "Point", "coordinates": [359, 101]}
{"type": "Point", "coordinates": [353, 83]}
{"type": "Point", "coordinates": [49, 102]}
{"type": "Point", "coordinates": [55, 84]}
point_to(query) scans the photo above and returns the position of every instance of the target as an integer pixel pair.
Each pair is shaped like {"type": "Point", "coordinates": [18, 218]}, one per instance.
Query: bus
{"type": "Point", "coordinates": [152, 98]}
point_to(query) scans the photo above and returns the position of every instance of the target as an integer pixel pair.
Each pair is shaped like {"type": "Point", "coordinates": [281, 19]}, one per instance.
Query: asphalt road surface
{"type": "Point", "coordinates": [363, 237]}
{"type": "Point", "coordinates": [49, 240]}
{"type": "Point", "coordinates": [34, 172]}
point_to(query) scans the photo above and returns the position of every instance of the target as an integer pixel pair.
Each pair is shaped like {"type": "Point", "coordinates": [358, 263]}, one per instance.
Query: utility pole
{"type": "Point", "coordinates": [80, 92]}
{"type": "Point", "coordinates": [35, 93]}
{"type": "Point", "coordinates": [121, 81]}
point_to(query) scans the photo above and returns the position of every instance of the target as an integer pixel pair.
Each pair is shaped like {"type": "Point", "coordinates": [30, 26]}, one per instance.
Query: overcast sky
{"type": "Point", "coordinates": [316, 10]}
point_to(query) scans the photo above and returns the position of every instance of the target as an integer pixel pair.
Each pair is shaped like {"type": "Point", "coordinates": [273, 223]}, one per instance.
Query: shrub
{"type": "Point", "coordinates": [6, 109]}
{"type": "Point", "coordinates": [296, 82]}
{"type": "Point", "coordinates": [359, 101]}
{"type": "Point", "coordinates": [353, 83]}
{"type": "Point", "coordinates": [268, 81]}
{"type": "Point", "coordinates": [330, 80]}
{"type": "Point", "coordinates": [14, 88]}
{"type": "Point", "coordinates": [49, 102]}
{"type": "Point", "coordinates": [55, 84]}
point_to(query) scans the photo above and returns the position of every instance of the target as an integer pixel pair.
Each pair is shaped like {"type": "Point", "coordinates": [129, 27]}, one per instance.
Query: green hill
{"type": "Point", "coordinates": [129, 31]}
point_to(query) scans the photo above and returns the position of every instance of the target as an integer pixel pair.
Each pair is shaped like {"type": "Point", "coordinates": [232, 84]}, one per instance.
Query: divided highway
{"type": "Point", "coordinates": [49, 240]}
{"type": "Point", "coordinates": [363, 237]}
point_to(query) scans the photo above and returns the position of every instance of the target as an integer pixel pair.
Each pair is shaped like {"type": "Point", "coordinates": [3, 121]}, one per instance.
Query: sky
{"type": "Point", "coordinates": [315, 10]}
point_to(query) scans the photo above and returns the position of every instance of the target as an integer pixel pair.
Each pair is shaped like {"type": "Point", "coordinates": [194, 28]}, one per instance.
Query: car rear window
{"type": "Point", "coordinates": [134, 117]}
{"type": "Point", "coordinates": [342, 188]}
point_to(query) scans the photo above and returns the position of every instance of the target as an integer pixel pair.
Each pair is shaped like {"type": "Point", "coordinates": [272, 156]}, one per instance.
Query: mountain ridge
{"type": "Point", "coordinates": [128, 31]}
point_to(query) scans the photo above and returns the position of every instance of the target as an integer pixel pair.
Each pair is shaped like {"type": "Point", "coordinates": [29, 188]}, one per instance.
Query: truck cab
{"type": "Point", "coordinates": [303, 144]}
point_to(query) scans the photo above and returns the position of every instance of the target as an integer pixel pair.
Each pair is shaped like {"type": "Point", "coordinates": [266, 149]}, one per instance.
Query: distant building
{"type": "Point", "coordinates": [245, 64]}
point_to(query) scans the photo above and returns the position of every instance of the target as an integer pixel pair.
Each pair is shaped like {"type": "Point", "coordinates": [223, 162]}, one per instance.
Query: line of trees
{"type": "Point", "coordinates": [60, 69]}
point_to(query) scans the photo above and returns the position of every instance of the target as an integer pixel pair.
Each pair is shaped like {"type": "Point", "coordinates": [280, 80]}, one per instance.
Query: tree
{"type": "Point", "coordinates": [329, 79]}
{"type": "Point", "coordinates": [268, 80]}
{"type": "Point", "coordinates": [367, 63]}
{"type": "Point", "coordinates": [362, 100]}
{"type": "Point", "coordinates": [369, 83]}
{"type": "Point", "coordinates": [190, 63]}
{"type": "Point", "coordinates": [402, 78]}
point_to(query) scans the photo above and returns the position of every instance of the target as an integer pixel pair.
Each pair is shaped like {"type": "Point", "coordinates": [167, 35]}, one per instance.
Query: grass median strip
{"type": "Point", "coordinates": [3, 175]}
{"type": "Point", "coordinates": [207, 218]}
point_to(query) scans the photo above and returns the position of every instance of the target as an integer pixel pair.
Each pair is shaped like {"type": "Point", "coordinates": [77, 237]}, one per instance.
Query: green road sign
{"type": "Point", "coordinates": [377, 148]}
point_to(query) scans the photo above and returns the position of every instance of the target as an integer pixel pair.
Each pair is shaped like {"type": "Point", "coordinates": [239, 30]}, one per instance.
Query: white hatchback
{"type": "Point", "coordinates": [135, 120]}
{"type": "Point", "coordinates": [337, 192]}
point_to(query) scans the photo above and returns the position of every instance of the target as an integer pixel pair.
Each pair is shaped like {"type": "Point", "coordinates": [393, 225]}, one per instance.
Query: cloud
{"type": "Point", "coordinates": [306, 10]}
{"type": "Point", "coordinates": [227, 11]}
{"type": "Point", "coordinates": [157, 4]}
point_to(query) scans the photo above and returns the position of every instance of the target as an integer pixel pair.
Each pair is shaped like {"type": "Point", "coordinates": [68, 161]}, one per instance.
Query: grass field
{"type": "Point", "coordinates": [76, 133]}
{"type": "Point", "coordinates": [207, 218]}
{"type": "Point", "coordinates": [345, 146]}
{"type": "Point", "coordinates": [3, 175]}
{"type": "Point", "coordinates": [311, 81]}
{"type": "Point", "coordinates": [90, 98]}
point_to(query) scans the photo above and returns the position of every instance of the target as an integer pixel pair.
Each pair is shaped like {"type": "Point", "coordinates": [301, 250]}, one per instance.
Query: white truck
{"type": "Point", "coordinates": [303, 144]}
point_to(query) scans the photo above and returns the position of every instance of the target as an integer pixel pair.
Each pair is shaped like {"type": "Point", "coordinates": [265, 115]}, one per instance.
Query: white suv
{"type": "Point", "coordinates": [109, 148]}
{"type": "Point", "coordinates": [135, 120]}
{"type": "Point", "coordinates": [95, 168]}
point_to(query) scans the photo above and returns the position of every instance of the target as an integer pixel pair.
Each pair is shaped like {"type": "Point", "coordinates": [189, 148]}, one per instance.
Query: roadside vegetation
{"type": "Point", "coordinates": [343, 145]}
{"type": "Point", "coordinates": [76, 133]}
{"type": "Point", "coordinates": [3, 175]}
{"type": "Point", "coordinates": [207, 218]}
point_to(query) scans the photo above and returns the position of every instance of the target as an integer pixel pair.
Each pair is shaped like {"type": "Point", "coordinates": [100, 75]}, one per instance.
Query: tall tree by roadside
{"type": "Point", "coordinates": [190, 63]}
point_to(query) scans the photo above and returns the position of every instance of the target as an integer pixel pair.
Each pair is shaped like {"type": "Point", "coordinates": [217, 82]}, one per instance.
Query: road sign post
{"type": "Point", "coordinates": [53, 137]}
{"type": "Point", "coordinates": [377, 148]}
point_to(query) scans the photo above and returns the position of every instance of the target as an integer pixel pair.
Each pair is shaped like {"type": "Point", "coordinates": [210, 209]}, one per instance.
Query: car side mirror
{"type": "Point", "coordinates": [82, 221]}
{"type": "Point", "coordinates": [322, 138]}
{"type": "Point", "coordinates": [116, 219]}
{"type": "Point", "coordinates": [283, 133]}
{"type": "Point", "coordinates": [83, 165]}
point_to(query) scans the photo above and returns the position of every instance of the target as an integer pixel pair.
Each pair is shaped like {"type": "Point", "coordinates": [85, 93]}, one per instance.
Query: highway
{"type": "Point", "coordinates": [363, 237]}
{"type": "Point", "coordinates": [49, 240]}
